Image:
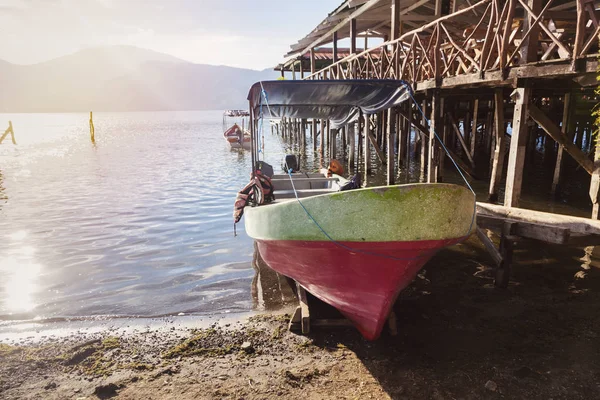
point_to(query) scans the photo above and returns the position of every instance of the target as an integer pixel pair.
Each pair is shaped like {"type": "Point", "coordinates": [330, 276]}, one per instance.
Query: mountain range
{"type": "Point", "coordinates": [123, 78]}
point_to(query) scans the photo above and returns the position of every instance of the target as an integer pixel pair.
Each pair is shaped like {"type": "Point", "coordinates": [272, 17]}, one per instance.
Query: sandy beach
{"type": "Point", "coordinates": [458, 338]}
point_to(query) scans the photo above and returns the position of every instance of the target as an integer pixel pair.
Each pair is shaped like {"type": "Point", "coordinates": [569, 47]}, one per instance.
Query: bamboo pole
{"type": "Point", "coordinates": [7, 131]}
{"type": "Point", "coordinates": [92, 130]}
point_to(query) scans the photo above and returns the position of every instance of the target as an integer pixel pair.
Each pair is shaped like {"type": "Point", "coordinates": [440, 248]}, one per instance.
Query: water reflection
{"type": "Point", "coordinates": [270, 290]}
{"type": "Point", "coordinates": [20, 272]}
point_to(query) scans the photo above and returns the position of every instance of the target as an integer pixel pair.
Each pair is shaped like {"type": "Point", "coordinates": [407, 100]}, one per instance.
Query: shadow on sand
{"type": "Point", "coordinates": [459, 337]}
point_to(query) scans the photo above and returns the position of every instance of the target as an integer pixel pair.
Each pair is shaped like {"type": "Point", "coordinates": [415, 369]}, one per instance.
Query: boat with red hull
{"type": "Point", "coordinates": [369, 243]}
{"type": "Point", "coordinates": [353, 249]}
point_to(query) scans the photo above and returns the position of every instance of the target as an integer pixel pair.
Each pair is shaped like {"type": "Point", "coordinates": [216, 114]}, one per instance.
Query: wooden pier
{"type": "Point", "coordinates": [496, 80]}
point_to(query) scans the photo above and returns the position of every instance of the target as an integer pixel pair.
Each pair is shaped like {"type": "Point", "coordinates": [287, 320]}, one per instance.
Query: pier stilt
{"type": "Point", "coordinates": [518, 142]}
{"type": "Point", "coordinates": [498, 161]}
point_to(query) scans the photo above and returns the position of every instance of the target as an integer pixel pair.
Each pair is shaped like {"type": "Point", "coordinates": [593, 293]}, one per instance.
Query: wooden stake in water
{"type": "Point", "coordinates": [92, 131]}
{"type": "Point", "coordinates": [7, 131]}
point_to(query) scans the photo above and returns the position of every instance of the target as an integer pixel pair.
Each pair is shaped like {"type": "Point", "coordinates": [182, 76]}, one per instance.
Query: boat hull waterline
{"type": "Point", "coordinates": [383, 237]}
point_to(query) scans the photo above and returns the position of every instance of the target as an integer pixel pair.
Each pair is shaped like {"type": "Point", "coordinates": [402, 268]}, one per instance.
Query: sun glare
{"type": "Point", "coordinates": [20, 272]}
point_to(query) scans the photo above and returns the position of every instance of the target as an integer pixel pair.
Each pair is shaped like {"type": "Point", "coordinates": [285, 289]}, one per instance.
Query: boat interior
{"type": "Point", "coordinates": [306, 184]}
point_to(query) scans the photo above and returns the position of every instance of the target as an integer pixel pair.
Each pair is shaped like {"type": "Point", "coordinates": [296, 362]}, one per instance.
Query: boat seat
{"type": "Point", "coordinates": [303, 183]}
{"type": "Point", "coordinates": [289, 193]}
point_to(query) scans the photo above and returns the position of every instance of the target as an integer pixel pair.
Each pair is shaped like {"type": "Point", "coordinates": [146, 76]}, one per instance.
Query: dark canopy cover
{"type": "Point", "coordinates": [337, 101]}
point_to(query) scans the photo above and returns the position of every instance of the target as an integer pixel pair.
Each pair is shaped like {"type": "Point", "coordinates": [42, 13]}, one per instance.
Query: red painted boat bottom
{"type": "Point", "coordinates": [362, 283]}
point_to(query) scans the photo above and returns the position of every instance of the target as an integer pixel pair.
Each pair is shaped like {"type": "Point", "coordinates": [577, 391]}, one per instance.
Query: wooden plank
{"type": "Point", "coordinates": [580, 30]}
{"type": "Point", "coordinates": [555, 133]}
{"type": "Point", "coordinates": [518, 142]}
{"type": "Point", "coordinates": [530, 230]}
{"type": "Point", "coordinates": [529, 42]}
{"type": "Point", "coordinates": [577, 225]}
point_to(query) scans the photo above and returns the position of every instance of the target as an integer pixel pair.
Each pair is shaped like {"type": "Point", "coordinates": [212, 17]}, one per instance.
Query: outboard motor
{"type": "Point", "coordinates": [291, 162]}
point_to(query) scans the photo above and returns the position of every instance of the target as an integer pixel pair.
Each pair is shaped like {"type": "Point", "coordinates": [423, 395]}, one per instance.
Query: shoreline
{"type": "Point", "coordinates": [458, 338]}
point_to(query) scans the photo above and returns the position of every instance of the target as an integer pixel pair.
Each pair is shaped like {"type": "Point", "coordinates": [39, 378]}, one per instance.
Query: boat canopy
{"type": "Point", "coordinates": [337, 100]}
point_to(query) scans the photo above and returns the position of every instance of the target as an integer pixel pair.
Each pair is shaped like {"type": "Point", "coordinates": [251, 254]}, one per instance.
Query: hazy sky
{"type": "Point", "coordinates": [243, 33]}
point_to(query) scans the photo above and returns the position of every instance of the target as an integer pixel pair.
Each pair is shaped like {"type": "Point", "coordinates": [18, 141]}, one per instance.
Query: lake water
{"type": "Point", "coordinates": [139, 224]}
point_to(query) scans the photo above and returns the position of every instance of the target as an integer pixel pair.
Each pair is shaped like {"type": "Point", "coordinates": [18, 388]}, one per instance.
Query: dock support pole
{"type": "Point", "coordinates": [595, 181]}
{"type": "Point", "coordinates": [314, 135]}
{"type": "Point", "coordinates": [474, 127]}
{"type": "Point", "coordinates": [408, 135]}
{"type": "Point", "coordinates": [351, 143]}
{"type": "Point", "coordinates": [498, 162]}
{"type": "Point", "coordinates": [518, 147]}
{"type": "Point", "coordinates": [391, 138]}
{"type": "Point", "coordinates": [433, 125]}
{"type": "Point", "coordinates": [367, 149]}
{"type": "Point", "coordinates": [321, 144]}
{"type": "Point", "coordinates": [561, 148]}
{"type": "Point", "coordinates": [423, 140]}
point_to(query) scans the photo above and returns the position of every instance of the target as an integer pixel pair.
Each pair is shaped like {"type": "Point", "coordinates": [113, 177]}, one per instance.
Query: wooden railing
{"type": "Point", "coordinates": [495, 40]}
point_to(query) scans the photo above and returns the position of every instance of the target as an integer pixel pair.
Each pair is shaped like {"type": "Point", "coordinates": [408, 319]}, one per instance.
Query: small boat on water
{"type": "Point", "coordinates": [238, 138]}
{"type": "Point", "coordinates": [353, 249]}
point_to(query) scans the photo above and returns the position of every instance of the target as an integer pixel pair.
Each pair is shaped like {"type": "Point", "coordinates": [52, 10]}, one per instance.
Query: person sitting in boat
{"type": "Point", "coordinates": [335, 167]}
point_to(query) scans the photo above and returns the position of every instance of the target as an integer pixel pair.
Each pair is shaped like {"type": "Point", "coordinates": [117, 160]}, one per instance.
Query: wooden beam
{"type": "Point", "coordinates": [518, 143]}
{"type": "Point", "coordinates": [342, 23]}
{"type": "Point", "coordinates": [577, 225]}
{"type": "Point", "coordinates": [555, 133]}
{"type": "Point", "coordinates": [461, 139]}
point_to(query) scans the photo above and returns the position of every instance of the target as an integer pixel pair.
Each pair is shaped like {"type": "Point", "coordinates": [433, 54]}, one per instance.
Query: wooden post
{"type": "Point", "coordinates": [294, 70]}
{"type": "Point", "coordinates": [7, 131]}
{"type": "Point", "coordinates": [409, 109]}
{"type": "Point", "coordinates": [433, 125]}
{"type": "Point", "coordinates": [352, 151]}
{"type": "Point", "coordinates": [344, 141]}
{"type": "Point", "coordinates": [391, 132]}
{"type": "Point", "coordinates": [335, 53]}
{"type": "Point", "coordinates": [518, 142]}
{"type": "Point", "coordinates": [595, 182]}
{"type": "Point", "coordinates": [530, 46]}
{"type": "Point", "coordinates": [314, 135]}
{"type": "Point", "coordinates": [353, 46]}
{"type": "Point", "coordinates": [312, 62]}
{"type": "Point", "coordinates": [474, 128]}
{"type": "Point", "coordinates": [441, 153]}
{"type": "Point", "coordinates": [321, 144]}
{"type": "Point", "coordinates": [92, 130]}
{"type": "Point", "coordinates": [498, 162]}
{"type": "Point", "coordinates": [394, 34]}
{"type": "Point", "coordinates": [367, 148]}
{"type": "Point", "coordinates": [561, 148]}
{"type": "Point", "coordinates": [423, 139]}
